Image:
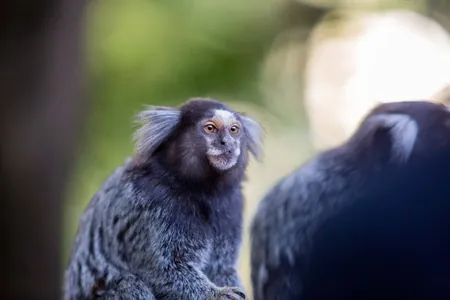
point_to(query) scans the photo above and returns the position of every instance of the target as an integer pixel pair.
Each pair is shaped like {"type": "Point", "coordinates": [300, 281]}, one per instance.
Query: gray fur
{"type": "Point", "coordinates": [127, 287]}
{"type": "Point", "coordinates": [255, 135]}
{"type": "Point", "coordinates": [157, 123]}
{"type": "Point", "coordinates": [157, 232]}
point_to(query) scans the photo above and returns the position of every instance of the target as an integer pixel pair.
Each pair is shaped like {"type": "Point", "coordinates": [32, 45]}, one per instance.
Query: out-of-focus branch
{"type": "Point", "coordinates": [302, 15]}
{"type": "Point", "coordinates": [41, 112]}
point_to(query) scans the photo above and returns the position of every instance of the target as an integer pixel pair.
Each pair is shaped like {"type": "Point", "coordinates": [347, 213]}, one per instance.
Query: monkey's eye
{"type": "Point", "coordinates": [210, 128]}
{"type": "Point", "coordinates": [234, 129]}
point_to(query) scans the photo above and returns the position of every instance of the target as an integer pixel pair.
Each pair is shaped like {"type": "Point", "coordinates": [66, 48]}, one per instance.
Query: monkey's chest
{"type": "Point", "coordinates": [226, 231]}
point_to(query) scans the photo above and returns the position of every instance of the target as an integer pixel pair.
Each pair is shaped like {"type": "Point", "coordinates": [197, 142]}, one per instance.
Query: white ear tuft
{"type": "Point", "coordinates": [157, 124]}
{"type": "Point", "coordinates": [254, 133]}
{"type": "Point", "coordinates": [403, 131]}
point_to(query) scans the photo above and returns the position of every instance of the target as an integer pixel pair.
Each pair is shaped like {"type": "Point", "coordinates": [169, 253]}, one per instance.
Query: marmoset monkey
{"type": "Point", "coordinates": [167, 224]}
{"type": "Point", "coordinates": [366, 220]}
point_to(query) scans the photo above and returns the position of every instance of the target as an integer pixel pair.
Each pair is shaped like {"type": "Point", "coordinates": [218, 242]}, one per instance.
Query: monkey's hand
{"type": "Point", "coordinates": [229, 292]}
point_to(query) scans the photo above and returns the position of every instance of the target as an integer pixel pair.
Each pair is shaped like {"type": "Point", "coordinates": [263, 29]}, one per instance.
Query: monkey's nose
{"type": "Point", "coordinates": [226, 140]}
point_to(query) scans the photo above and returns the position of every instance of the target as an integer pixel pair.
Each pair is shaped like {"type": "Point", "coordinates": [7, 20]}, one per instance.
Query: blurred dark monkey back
{"type": "Point", "coordinates": [42, 111]}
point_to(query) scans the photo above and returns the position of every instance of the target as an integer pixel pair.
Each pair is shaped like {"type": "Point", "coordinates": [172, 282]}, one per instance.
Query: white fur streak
{"type": "Point", "coordinates": [222, 164]}
{"type": "Point", "coordinates": [214, 152]}
{"type": "Point", "coordinates": [157, 124]}
{"type": "Point", "coordinates": [237, 151]}
{"type": "Point", "coordinates": [403, 130]}
{"type": "Point", "coordinates": [254, 133]}
{"type": "Point", "coordinates": [225, 115]}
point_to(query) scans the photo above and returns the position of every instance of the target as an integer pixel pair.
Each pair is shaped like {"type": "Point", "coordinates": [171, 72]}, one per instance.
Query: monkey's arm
{"type": "Point", "coordinates": [279, 236]}
{"type": "Point", "coordinates": [227, 277]}
{"type": "Point", "coordinates": [175, 256]}
{"type": "Point", "coordinates": [222, 267]}
{"type": "Point", "coordinates": [283, 281]}
{"type": "Point", "coordinates": [178, 275]}
{"type": "Point", "coordinates": [224, 273]}
{"type": "Point", "coordinates": [274, 275]}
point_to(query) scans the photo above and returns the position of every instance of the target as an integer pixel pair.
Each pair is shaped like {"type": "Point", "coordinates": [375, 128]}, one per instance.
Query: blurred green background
{"type": "Point", "coordinates": [163, 52]}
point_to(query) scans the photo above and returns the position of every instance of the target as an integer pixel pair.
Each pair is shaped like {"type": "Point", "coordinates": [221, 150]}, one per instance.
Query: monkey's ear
{"type": "Point", "coordinates": [157, 123]}
{"type": "Point", "coordinates": [254, 133]}
{"type": "Point", "coordinates": [402, 132]}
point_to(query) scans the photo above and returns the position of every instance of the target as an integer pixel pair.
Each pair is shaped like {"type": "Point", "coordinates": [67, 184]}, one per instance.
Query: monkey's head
{"type": "Point", "coordinates": [201, 136]}
{"type": "Point", "coordinates": [401, 133]}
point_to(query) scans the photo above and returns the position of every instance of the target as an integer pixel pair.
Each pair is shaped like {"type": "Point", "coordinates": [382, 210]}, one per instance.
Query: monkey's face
{"type": "Point", "coordinates": [200, 136]}
{"type": "Point", "coordinates": [222, 131]}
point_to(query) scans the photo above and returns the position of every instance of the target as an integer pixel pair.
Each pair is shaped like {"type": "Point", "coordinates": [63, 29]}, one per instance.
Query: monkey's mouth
{"type": "Point", "coordinates": [224, 156]}
{"type": "Point", "coordinates": [223, 161]}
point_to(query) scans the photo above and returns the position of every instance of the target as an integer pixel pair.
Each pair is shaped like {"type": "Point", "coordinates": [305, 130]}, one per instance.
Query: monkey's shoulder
{"type": "Point", "coordinates": [292, 194]}
{"type": "Point", "coordinates": [291, 212]}
{"type": "Point", "coordinates": [174, 199]}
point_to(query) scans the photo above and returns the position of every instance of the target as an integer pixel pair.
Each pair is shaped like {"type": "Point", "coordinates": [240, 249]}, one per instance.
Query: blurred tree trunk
{"type": "Point", "coordinates": [41, 114]}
